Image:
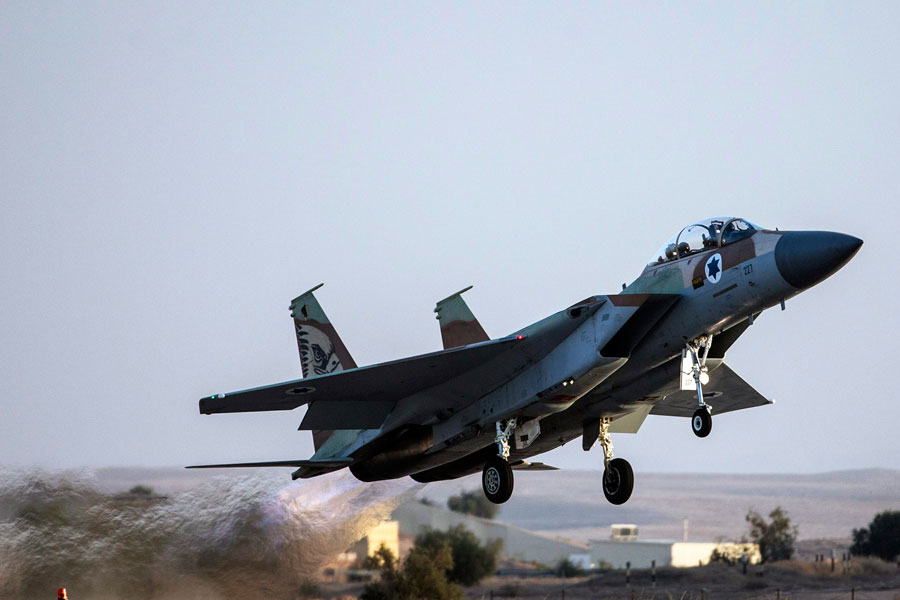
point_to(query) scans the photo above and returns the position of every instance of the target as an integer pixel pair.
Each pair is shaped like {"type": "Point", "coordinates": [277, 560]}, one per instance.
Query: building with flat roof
{"type": "Point", "coordinates": [387, 534]}
{"type": "Point", "coordinates": [623, 548]}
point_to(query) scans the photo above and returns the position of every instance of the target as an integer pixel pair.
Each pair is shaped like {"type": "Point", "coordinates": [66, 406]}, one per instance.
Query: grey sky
{"type": "Point", "coordinates": [172, 174]}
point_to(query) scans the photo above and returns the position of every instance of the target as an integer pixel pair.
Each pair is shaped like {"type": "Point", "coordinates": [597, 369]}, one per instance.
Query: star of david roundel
{"type": "Point", "coordinates": [713, 268]}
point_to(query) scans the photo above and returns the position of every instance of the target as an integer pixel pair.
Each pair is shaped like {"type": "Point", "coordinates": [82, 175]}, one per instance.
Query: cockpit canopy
{"type": "Point", "coordinates": [704, 235]}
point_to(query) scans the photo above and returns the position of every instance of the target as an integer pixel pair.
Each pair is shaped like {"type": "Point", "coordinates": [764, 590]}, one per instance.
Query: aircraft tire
{"type": "Point", "coordinates": [497, 480]}
{"type": "Point", "coordinates": [701, 422]}
{"type": "Point", "coordinates": [618, 481]}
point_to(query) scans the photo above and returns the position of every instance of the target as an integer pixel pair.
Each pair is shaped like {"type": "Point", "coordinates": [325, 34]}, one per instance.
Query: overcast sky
{"type": "Point", "coordinates": [172, 174]}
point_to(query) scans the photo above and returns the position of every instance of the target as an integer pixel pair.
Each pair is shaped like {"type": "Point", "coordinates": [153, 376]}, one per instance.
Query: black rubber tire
{"type": "Point", "coordinates": [497, 480]}
{"type": "Point", "coordinates": [618, 481]}
{"type": "Point", "coordinates": [701, 422]}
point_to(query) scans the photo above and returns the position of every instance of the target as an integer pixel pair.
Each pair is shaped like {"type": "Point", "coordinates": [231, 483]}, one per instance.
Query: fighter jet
{"type": "Point", "coordinates": [598, 367]}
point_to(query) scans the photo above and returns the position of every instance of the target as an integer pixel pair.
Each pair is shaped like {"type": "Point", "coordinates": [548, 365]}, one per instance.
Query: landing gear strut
{"type": "Point", "coordinates": [698, 350]}
{"type": "Point", "coordinates": [618, 476]}
{"type": "Point", "coordinates": [497, 476]}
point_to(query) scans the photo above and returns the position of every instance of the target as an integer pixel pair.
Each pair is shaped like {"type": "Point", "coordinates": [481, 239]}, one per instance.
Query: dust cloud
{"type": "Point", "coordinates": [238, 537]}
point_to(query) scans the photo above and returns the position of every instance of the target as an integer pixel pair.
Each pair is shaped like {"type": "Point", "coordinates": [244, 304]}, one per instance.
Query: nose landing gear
{"type": "Point", "coordinates": [697, 350]}
{"type": "Point", "coordinates": [497, 476]}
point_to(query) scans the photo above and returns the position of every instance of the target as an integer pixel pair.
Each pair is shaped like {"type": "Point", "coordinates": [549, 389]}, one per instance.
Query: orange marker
{"type": "Point", "coordinates": [61, 594]}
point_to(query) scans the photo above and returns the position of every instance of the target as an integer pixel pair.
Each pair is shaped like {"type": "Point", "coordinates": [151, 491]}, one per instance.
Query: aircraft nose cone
{"type": "Point", "coordinates": [804, 258]}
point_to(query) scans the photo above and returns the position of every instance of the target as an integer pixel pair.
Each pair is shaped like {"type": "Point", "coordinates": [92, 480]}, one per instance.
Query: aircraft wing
{"type": "Point", "coordinates": [362, 398]}
{"type": "Point", "coordinates": [308, 468]}
{"type": "Point", "coordinates": [725, 392]}
{"type": "Point", "coordinates": [365, 394]}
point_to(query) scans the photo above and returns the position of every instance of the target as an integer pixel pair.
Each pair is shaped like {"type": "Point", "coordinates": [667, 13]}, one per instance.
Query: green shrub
{"type": "Point", "coordinates": [881, 538]}
{"type": "Point", "coordinates": [776, 537]}
{"type": "Point", "coordinates": [567, 568]}
{"type": "Point", "coordinates": [473, 503]}
{"type": "Point", "coordinates": [472, 561]}
{"type": "Point", "coordinates": [423, 575]}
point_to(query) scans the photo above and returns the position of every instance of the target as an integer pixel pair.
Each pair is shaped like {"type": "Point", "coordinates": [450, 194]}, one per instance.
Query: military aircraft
{"type": "Point", "coordinates": [598, 367]}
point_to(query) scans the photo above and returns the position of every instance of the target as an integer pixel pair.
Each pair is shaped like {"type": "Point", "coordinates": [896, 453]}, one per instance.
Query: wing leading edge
{"type": "Point", "coordinates": [366, 393]}
{"type": "Point", "coordinates": [307, 468]}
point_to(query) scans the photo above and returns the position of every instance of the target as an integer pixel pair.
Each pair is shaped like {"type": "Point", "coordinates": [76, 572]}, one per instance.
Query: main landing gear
{"type": "Point", "coordinates": [497, 476]}
{"type": "Point", "coordinates": [618, 476]}
{"type": "Point", "coordinates": [698, 350]}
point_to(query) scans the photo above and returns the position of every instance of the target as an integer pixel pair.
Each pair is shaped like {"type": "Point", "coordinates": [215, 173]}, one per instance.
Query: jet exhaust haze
{"type": "Point", "coordinates": [249, 536]}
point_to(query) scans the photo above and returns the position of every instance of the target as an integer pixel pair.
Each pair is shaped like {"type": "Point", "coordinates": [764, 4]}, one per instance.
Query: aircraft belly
{"type": "Point", "coordinates": [422, 462]}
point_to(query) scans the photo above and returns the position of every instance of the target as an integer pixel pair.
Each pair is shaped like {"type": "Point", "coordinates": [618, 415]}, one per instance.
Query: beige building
{"type": "Point", "coordinates": [386, 533]}
{"type": "Point", "coordinates": [623, 547]}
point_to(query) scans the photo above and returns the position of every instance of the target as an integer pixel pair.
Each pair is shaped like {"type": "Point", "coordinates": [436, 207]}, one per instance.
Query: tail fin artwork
{"type": "Point", "coordinates": [459, 327]}
{"type": "Point", "coordinates": [321, 348]}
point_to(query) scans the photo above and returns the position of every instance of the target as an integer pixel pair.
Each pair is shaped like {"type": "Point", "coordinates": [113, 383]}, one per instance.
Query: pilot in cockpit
{"type": "Point", "coordinates": [737, 229]}
{"type": "Point", "coordinates": [715, 227]}
{"type": "Point", "coordinates": [671, 254]}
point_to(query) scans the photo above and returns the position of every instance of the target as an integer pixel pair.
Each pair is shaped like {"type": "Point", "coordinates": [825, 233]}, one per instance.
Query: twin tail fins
{"type": "Point", "coordinates": [459, 327]}
{"type": "Point", "coordinates": [321, 349]}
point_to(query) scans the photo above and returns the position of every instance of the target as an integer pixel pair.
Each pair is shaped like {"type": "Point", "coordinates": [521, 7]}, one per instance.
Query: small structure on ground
{"type": "Point", "coordinates": [623, 548]}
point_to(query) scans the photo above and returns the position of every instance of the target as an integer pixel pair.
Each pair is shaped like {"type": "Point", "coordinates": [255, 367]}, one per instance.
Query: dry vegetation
{"type": "Point", "coordinates": [870, 578]}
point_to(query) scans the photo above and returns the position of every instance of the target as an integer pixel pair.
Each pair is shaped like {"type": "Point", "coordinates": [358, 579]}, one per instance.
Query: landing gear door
{"type": "Point", "coordinates": [686, 375]}
{"type": "Point", "coordinates": [526, 433]}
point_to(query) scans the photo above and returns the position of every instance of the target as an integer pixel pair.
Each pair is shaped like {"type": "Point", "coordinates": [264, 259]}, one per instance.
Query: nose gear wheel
{"type": "Point", "coordinates": [701, 422]}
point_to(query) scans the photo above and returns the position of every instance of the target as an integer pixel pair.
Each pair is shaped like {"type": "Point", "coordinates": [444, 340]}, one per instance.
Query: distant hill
{"type": "Point", "coordinates": [571, 504]}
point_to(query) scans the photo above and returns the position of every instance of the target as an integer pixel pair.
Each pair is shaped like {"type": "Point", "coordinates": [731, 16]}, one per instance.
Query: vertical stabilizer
{"type": "Point", "coordinates": [459, 327]}
{"type": "Point", "coordinates": [321, 348]}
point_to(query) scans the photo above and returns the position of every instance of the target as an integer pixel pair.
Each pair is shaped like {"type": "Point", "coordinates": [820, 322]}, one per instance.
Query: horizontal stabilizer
{"type": "Point", "coordinates": [532, 466]}
{"type": "Point", "coordinates": [725, 392]}
{"type": "Point", "coordinates": [329, 463]}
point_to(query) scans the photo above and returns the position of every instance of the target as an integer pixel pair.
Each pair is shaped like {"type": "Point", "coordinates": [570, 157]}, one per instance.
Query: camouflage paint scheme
{"type": "Point", "coordinates": [459, 327]}
{"type": "Point", "coordinates": [321, 349]}
{"type": "Point", "coordinates": [615, 358]}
